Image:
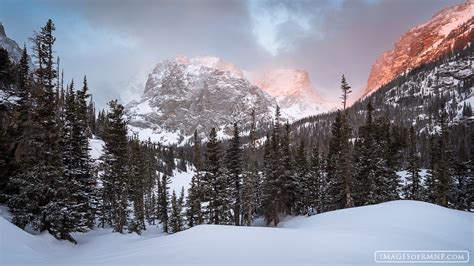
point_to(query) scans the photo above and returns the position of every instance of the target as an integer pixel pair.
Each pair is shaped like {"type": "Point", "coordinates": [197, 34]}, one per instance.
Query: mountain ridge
{"type": "Point", "coordinates": [450, 29]}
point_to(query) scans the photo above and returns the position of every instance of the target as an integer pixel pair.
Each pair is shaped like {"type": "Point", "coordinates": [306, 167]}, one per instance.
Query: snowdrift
{"type": "Point", "coordinates": [341, 237]}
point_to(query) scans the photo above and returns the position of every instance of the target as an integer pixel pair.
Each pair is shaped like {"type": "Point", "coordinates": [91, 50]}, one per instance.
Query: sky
{"type": "Point", "coordinates": [115, 42]}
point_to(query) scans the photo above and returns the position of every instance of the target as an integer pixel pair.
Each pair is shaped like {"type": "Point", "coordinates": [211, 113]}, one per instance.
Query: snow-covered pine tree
{"type": "Point", "coordinates": [414, 188]}
{"type": "Point", "coordinates": [215, 182]}
{"type": "Point", "coordinates": [91, 118]}
{"type": "Point", "coordinates": [175, 221]}
{"type": "Point", "coordinates": [289, 195]}
{"type": "Point", "coordinates": [114, 166]}
{"type": "Point", "coordinates": [150, 181]}
{"type": "Point", "coordinates": [273, 198]}
{"type": "Point", "coordinates": [48, 193]}
{"type": "Point", "coordinates": [459, 192]}
{"type": "Point", "coordinates": [470, 180]}
{"type": "Point", "coordinates": [338, 169]}
{"type": "Point", "coordinates": [441, 171]}
{"type": "Point", "coordinates": [193, 203]}
{"type": "Point", "coordinates": [250, 184]}
{"type": "Point", "coordinates": [23, 94]}
{"type": "Point", "coordinates": [85, 182]}
{"type": "Point", "coordinates": [430, 181]}
{"type": "Point", "coordinates": [317, 184]}
{"type": "Point", "coordinates": [303, 200]}
{"type": "Point", "coordinates": [234, 166]}
{"type": "Point", "coordinates": [382, 188]}
{"type": "Point", "coordinates": [163, 202]}
{"type": "Point", "coordinates": [364, 160]}
{"type": "Point", "coordinates": [169, 160]}
{"type": "Point", "coordinates": [137, 186]}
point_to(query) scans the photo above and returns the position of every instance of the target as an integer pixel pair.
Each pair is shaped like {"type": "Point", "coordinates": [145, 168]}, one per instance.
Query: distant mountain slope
{"type": "Point", "coordinates": [415, 98]}
{"type": "Point", "coordinates": [449, 30]}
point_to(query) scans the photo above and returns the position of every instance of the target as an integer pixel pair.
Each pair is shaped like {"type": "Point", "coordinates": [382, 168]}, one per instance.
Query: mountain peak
{"type": "Point", "coordinates": [292, 89]}
{"type": "Point", "coordinates": [2, 30]}
{"type": "Point", "coordinates": [14, 50]}
{"type": "Point", "coordinates": [450, 29]}
{"type": "Point", "coordinates": [283, 81]}
{"type": "Point", "coordinates": [187, 94]}
{"type": "Point", "coordinates": [210, 61]}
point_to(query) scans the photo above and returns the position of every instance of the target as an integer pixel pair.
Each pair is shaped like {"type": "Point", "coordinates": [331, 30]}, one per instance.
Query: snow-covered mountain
{"type": "Point", "coordinates": [292, 90]}
{"type": "Point", "coordinates": [450, 29]}
{"type": "Point", "coordinates": [182, 95]}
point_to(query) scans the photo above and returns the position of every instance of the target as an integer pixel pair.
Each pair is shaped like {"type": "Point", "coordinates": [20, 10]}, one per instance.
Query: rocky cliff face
{"type": "Point", "coordinates": [449, 30]}
{"type": "Point", "coordinates": [13, 49]}
{"type": "Point", "coordinates": [182, 95]}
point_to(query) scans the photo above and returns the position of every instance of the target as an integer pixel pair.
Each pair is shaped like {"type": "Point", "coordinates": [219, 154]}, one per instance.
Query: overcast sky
{"type": "Point", "coordinates": [113, 41]}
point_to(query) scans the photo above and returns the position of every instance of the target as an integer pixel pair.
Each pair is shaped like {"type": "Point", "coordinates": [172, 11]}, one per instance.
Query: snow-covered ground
{"type": "Point", "coordinates": [348, 236]}
{"type": "Point", "coordinates": [96, 148]}
{"type": "Point", "coordinates": [181, 180]}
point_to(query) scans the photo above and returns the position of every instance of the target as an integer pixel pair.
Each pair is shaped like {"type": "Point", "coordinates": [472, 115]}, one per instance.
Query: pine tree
{"type": "Point", "coordinates": [441, 168]}
{"type": "Point", "coordinates": [91, 119]}
{"type": "Point", "coordinates": [317, 184]}
{"type": "Point", "coordinates": [169, 160]}
{"type": "Point", "coordinates": [176, 222]}
{"type": "Point", "coordinates": [24, 93]}
{"type": "Point", "coordinates": [289, 194]}
{"type": "Point", "coordinates": [150, 181]}
{"type": "Point", "coordinates": [365, 160]}
{"type": "Point", "coordinates": [271, 207]}
{"type": "Point", "coordinates": [193, 203]}
{"type": "Point", "coordinates": [303, 202]}
{"type": "Point", "coordinates": [215, 184]}
{"type": "Point", "coordinates": [346, 90]}
{"type": "Point", "coordinates": [163, 203]}
{"type": "Point", "coordinates": [414, 188]}
{"type": "Point", "coordinates": [339, 172]}
{"type": "Point", "coordinates": [470, 165]}
{"type": "Point", "coordinates": [386, 185]}
{"type": "Point", "coordinates": [137, 185]}
{"type": "Point", "coordinates": [274, 198]}
{"type": "Point", "coordinates": [197, 152]}
{"type": "Point", "coordinates": [459, 192]}
{"type": "Point", "coordinates": [41, 179]}
{"type": "Point", "coordinates": [114, 177]}
{"type": "Point", "coordinates": [234, 165]}
{"type": "Point", "coordinates": [250, 185]}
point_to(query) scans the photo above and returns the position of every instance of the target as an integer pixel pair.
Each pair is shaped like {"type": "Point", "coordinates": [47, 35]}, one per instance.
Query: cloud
{"type": "Point", "coordinates": [350, 36]}
{"type": "Point", "coordinates": [278, 24]}
{"type": "Point", "coordinates": [112, 41]}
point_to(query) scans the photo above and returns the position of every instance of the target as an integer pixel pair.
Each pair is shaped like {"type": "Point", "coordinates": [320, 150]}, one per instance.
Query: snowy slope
{"type": "Point", "coordinates": [340, 237]}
